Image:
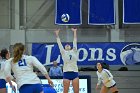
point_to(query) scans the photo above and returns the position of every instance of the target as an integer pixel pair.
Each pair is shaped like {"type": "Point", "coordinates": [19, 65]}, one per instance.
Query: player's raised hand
{"type": "Point", "coordinates": [74, 32]}
{"type": "Point", "coordinates": [57, 32]}
{"type": "Point", "coordinates": [74, 29]}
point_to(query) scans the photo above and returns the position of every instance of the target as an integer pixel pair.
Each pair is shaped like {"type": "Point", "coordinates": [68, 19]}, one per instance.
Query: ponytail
{"type": "Point", "coordinates": [105, 65]}
{"type": "Point", "coordinates": [18, 51]}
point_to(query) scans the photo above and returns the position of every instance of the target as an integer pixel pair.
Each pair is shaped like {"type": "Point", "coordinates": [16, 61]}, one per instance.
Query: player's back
{"type": "Point", "coordinates": [23, 71]}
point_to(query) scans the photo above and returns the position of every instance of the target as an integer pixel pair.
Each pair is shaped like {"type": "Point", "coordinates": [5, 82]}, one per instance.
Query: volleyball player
{"type": "Point", "coordinates": [70, 57]}
{"type": "Point", "coordinates": [22, 67]}
{"type": "Point", "coordinates": [106, 78]}
{"type": "Point", "coordinates": [4, 56]}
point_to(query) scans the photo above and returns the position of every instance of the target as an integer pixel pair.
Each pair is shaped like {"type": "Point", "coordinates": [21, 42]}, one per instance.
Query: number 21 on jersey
{"type": "Point", "coordinates": [22, 62]}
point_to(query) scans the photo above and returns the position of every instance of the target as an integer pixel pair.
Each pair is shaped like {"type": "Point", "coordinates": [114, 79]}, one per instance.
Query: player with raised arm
{"type": "Point", "coordinates": [106, 78]}
{"type": "Point", "coordinates": [70, 68]}
{"type": "Point", "coordinates": [22, 67]}
{"type": "Point", "coordinates": [4, 56]}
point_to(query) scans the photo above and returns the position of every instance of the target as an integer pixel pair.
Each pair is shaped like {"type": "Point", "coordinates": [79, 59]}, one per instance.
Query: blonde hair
{"type": "Point", "coordinates": [18, 51]}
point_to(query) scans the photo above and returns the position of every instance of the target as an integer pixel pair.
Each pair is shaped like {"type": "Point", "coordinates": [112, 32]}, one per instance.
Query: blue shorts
{"type": "Point", "coordinates": [2, 83]}
{"type": "Point", "coordinates": [70, 75]}
{"type": "Point", "coordinates": [31, 88]}
{"type": "Point", "coordinates": [48, 89]}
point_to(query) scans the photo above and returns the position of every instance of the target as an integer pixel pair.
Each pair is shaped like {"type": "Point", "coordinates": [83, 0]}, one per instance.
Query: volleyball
{"type": "Point", "coordinates": [65, 17]}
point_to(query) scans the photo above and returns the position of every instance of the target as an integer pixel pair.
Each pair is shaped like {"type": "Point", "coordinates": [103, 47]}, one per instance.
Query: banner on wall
{"type": "Point", "coordinates": [91, 53]}
{"type": "Point", "coordinates": [131, 14]}
{"type": "Point", "coordinates": [101, 12]}
{"type": "Point", "coordinates": [68, 12]}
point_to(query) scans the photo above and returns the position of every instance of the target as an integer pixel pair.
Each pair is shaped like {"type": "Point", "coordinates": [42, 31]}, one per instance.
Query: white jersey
{"type": "Point", "coordinates": [104, 76]}
{"type": "Point", "coordinates": [23, 70]}
{"type": "Point", "coordinates": [69, 57]}
{"type": "Point", "coordinates": [2, 66]}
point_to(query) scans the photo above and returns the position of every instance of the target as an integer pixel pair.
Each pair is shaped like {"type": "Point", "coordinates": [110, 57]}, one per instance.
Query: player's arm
{"type": "Point", "coordinates": [75, 38]}
{"type": "Point", "coordinates": [59, 41]}
{"type": "Point", "coordinates": [7, 69]}
{"type": "Point", "coordinates": [41, 68]}
{"type": "Point", "coordinates": [109, 75]}
{"type": "Point", "coordinates": [7, 72]}
{"type": "Point", "coordinates": [99, 80]}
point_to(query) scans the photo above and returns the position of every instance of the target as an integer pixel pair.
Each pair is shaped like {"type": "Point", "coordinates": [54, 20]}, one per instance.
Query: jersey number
{"type": "Point", "coordinates": [70, 56]}
{"type": "Point", "coordinates": [22, 62]}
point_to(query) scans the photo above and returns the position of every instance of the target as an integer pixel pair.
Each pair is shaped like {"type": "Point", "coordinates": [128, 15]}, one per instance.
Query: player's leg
{"type": "Point", "coordinates": [75, 84]}
{"type": "Point", "coordinates": [66, 84]}
{"type": "Point", "coordinates": [67, 77]}
{"type": "Point", "coordinates": [114, 89]}
{"type": "Point", "coordinates": [2, 90]}
{"type": "Point", "coordinates": [104, 89]}
{"type": "Point", "coordinates": [2, 86]}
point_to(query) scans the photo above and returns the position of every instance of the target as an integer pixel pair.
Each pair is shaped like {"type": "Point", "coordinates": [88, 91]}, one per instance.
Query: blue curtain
{"type": "Point", "coordinates": [68, 12]}
{"type": "Point", "coordinates": [101, 12]}
{"type": "Point", "coordinates": [131, 13]}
